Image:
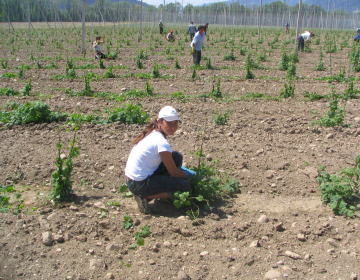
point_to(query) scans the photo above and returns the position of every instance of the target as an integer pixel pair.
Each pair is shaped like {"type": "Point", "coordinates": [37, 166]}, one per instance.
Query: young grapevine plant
{"type": "Point", "coordinates": [339, 190]}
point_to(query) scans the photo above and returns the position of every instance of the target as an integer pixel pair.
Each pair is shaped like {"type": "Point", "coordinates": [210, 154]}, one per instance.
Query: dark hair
{"type": "Point", "coordinates": [207, 23]}
{"type": "Point", "coordinates": [312, 34]}
{"type": "Point", "coordinates": [192, 22]}
{"type": "Point", "coordinates": [201, 27]}
{"type": "Point", "coordinates": [150, 127]}
{"type": "Point", "coordinates": [97, 38]}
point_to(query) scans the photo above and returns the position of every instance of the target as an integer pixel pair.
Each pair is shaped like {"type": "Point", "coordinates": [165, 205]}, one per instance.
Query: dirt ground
{"type": "Point", "coordinates": [275, 227]}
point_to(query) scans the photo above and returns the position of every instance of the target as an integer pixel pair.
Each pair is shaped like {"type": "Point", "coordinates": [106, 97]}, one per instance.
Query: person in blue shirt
{"type": "Point", "coordinates": [287, 27]}
{"type": "Point", "coordinates": [357, 38]}
{"type": "Point", "coordinates": [197, 43]}
{"type": "Point", "coordinates": [192, 30]}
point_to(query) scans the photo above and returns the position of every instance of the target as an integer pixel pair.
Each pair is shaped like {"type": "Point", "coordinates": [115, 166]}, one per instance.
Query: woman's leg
{"type": "Point", "coordinates": [198, 57]}
{"type": "Point", "coordinates": [156, 185]}
{"type": "Point", "coordinates": [178, 159]}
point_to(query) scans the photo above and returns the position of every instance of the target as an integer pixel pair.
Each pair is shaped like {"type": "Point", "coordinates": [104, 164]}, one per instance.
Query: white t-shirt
{"type": "Point", "coordinates": [145, 157]}
{"type": "Point", "coordinates": [306, 36]}
{"type": "Point", "coordinates": [97, 47]}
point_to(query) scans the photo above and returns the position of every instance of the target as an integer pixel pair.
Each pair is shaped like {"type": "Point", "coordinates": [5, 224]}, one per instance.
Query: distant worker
{"type": "Point", "coordinates": [97, 47]}
{"type": "Point", "coordinates": [357, 38]}
{"type": "Point", "coordinates": [170, 37]}
{"type": "Point", "coordinates": [302, 38]}
{"type": "Point", "coordinates": [205, 28]}
{"type": "Point", "coordinates": [161, 27]}
{"type": "Point", "coordinates": [197, 43]}
{"type": "Point", "coordinates": [192, 30]}
{"type": "Point", "coordinates": [287, 27]}
{"type": "Point", "coordinates": [358, 30]}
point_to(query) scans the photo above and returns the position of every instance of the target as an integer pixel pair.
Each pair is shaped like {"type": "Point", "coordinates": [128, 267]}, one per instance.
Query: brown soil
{"type": "Point", "coordinates": [271, 147]}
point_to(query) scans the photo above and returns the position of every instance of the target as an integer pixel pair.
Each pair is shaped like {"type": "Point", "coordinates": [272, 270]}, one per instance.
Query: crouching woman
{"type": "Point", "coordinates": [151, 161]}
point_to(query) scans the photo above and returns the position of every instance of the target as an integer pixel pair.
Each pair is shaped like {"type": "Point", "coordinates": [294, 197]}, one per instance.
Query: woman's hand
{"type": "Point", "coordinates": [169, 163]}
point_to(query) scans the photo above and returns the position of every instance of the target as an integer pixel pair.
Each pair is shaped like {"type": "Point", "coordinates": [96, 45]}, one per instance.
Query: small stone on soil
{"type": "Point", "coordinates": [47, 238]}
{"type": "Point", "coordinates": [99, 204]}
{"type": "Point", "coordinates": [80, 214]}
{"type": "Point", "coordinates": [273, 274]}
{"type": "Point", "coordinates": [292, 255]}
{"type": "Point", "coordinates": [301, 237]}
{"type": "Point", "coordinates": [113, 247]}
{"type": "Point", "coordinates": [263, 219]}
{"type": "Point", "coordinates": [279, 227]}
{"type": "Point", "coordinates": [255, 243]}
{"type": "Point", "coordinates": [330, 136]}
{"type": "Point", "coordinates": [182, 275]}
{"type": "Point", "coordinates": [110, 276]}
{"type": "Point", "coordinates": [59, 238]}
{"type": "Point", "coordinates": [96, 264]}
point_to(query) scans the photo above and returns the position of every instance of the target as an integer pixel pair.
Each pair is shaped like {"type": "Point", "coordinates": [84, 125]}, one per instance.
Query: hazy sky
{"type": "Point", "coordinates": [193, 2]}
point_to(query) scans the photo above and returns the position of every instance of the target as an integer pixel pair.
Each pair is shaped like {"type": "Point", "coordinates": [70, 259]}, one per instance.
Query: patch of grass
{"type": "Point", "coordinates": [155, 72]}
{"type": "Point", "coordinates": [4, 198]}
{"type": "Point", "coordinates": [108, 73]}
{"type": "Point", "coordinates": [206, 185]}
{"type": "Point", "coordinates": [26, 89]}
{"type": "Point", "coordinates": [60, 180]}
{"type": "Point", "coordinates": [350, 92]}
{"type": "Point", "coordinates": [180, 97]}
{"type": "Point", "coordinates": [288, 90]}
{"type": "Point", "coordinates": [339, 189]}
{"type": "Point", "coordinates": [221, 119]}
{"type": "Point", "coordinates": [216, 93]}
{"type": "Point", "coordinates": [36, 112]}
{"type": "Point", "coordinates": [334, 117]}
{"type": "Point", "coordinates": [8, 91]}
{"type": "Point", "coordinates": [9, 75]}
{"type": "Point", "coordinates": [252, 95]}
{"type": "Point", "coordinates": [81, 118]}
{"type": "Point", "coordinates": [313, 96]}
{"type": "Point", "coordinates": [128, 222]}
{"type": "Point", "coordinates": [230, 55]}
{"type": "Point", "coordinates": [129, 114]}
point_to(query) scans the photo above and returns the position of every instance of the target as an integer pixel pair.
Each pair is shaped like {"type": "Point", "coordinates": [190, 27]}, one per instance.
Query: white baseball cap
{"type": "Point", "coordinates": [169, 114]}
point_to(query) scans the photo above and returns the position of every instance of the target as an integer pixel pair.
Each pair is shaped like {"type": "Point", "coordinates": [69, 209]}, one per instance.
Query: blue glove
{"type": "Point", "coordinates": [189, 173]}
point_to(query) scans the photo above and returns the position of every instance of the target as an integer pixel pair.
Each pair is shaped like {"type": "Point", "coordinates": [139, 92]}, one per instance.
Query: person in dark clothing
{"type": "Point", "coordinates": [161, 27]}
{"type": "Point", "coordinates": [205, 28]}
{"type": "Point", "coordinates": [302, 38]}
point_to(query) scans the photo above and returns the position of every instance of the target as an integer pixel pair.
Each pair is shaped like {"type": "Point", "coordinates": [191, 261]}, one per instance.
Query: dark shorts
{"type": "Point", "coordinates": [160, 181]}
{"type": "Point", "coordinates": [100, 55]}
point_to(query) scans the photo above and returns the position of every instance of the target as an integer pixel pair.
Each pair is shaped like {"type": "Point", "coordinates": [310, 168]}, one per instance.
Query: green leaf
{"type": "Point", "coordinates": [122, 188]}
{"type": "Point", "coordinates": [129, 194]}
{"type": "Point", "coordinates": [145, 231]}
{"type": "Point", "coordinates": [132, 246]}
{"type": "Point", "coordinates": [126, 225]}
{"type": "Point", "coordinates": [137, 235]}
{"type": "Point", "coordinates": [200, 198]}
{"type": "Point", "coordinates": [140, 242]}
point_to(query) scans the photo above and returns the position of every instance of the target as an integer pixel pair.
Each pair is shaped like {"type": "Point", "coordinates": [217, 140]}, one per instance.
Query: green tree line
{"type": "Point", "coordinates": [101, 10]}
